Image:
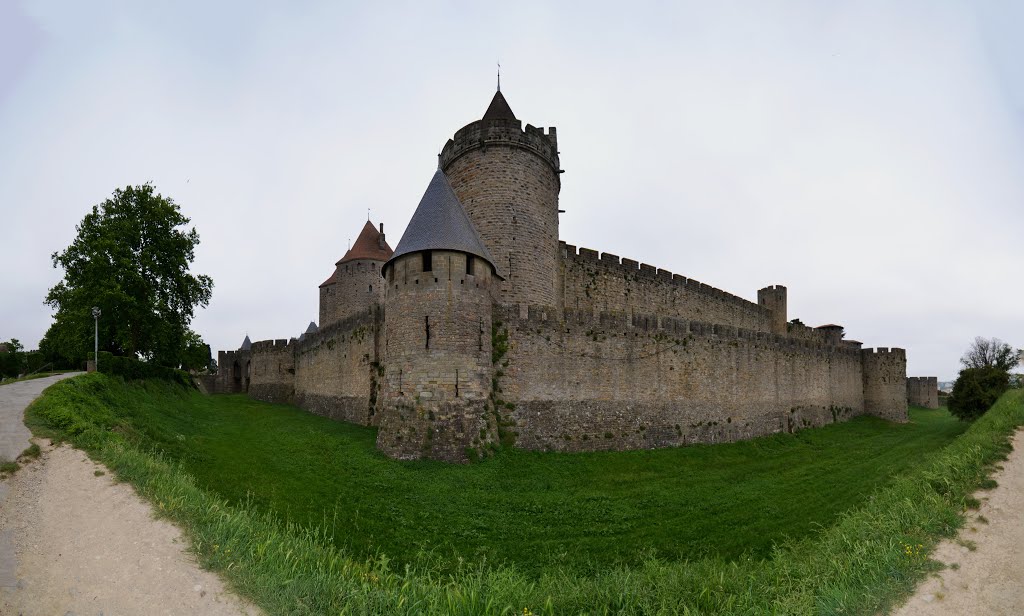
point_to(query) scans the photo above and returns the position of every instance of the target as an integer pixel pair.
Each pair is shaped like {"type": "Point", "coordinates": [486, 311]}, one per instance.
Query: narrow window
{"type": "Point", "coordinates": [428, 261]}
{"type": "Point", "coordinates": [371, 288]}
{"type": "Point", "coordinates": [426, 325]}
{"type": "Point", "coordinates": [469, 265]}
{"type": "Point", "coordinates": [456, 382]}
{"type": "Point", "coordinates": [480, 335]}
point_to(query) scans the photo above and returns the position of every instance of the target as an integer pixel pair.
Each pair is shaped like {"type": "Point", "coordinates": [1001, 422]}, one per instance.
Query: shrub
{"type": "Point", "coordinates": [132, 369]}
{"type": "Point", "coordinates": [976, 390]}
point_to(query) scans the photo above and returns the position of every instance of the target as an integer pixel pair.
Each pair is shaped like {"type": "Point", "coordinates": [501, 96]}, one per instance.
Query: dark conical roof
{"type": "Point", "coordinates": [312, 329]}
{"type": "Point", "coordinates": [441, 223]}
{"type": "Point", "coordinates": [499, 109]}
{"type": "Point", "coordinates": [246, 344]}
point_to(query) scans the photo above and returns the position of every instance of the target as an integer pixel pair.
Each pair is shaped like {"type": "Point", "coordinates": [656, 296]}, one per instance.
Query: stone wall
{"type": "Point", "coordinates": [273, 371]}
{"type": "Point", "coordinates": [337, 367]}
{"type": "Point", "coordinates": [437, 358]}
{"type": "Point", "coordinates": [233, 370]}
{"type": "Point", "coordinates": [885, 383]}
{"type": "Point", "coordinates": [603, 283]}
{"type": "Point", "coordinates": [356, 286]}
{"type": "Point", "coordinates": [615, 382]}
{"type": "Point", "coordinates": [507, 178]}
{"type": "Point", "coordinates": [923, 391]}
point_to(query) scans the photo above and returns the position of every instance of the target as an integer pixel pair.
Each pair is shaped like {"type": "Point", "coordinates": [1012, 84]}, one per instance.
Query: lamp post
{"type": "Point", "coordinates": [96, 347]}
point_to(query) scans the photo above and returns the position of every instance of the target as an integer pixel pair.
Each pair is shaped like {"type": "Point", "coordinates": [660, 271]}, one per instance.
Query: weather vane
{"type": "Point", "coordinates": [499, 76]}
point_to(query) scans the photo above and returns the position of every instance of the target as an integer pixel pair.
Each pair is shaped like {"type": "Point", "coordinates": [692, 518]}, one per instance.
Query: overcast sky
{"type": "Point", "coordinates": [867, 155]}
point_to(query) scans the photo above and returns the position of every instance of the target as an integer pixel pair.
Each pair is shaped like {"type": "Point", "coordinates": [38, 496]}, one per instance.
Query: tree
{"type": "Point", "coordinates": [130, 258]}
{"type": "Point", "coordinates": [976, 390]}
{"type": "Point", "coordinates": [990, 353]}
{"type": "Point", "coordinates": [11, 359]}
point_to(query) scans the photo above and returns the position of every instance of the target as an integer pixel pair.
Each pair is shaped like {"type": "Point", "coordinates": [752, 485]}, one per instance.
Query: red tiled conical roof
{"type": "Point", "coordinates": [368, 246]}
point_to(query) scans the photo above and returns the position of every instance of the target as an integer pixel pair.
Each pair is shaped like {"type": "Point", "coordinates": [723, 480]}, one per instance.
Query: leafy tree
{"type": "Point", "coordinates": [976, 390]}
{"type": "Point", "coordinates": [130, 258]}
{"type": "Point", "coordinates": [990, 353]}
{"type": "Point", "coordinates": [11, 360]}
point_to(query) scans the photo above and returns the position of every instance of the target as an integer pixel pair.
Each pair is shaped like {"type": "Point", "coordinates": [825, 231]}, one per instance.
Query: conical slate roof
{"type": "Point", "coordinates": [246, 344]}
{"type": "Point", "coordinates": [499, 109]}
{"type": "Point", "coordinates": [441, 223]}
{"type": "Point", "coordinates": [312, 329]}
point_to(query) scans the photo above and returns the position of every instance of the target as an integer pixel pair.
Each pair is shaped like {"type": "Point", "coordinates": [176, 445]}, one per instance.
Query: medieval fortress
{"type": "Point", "coordinates": [481, 328]}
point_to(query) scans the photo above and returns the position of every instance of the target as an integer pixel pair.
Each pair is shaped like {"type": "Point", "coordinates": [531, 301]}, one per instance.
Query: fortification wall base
{"type": "Point", "coordinates": [595, 425]}
{"type": "Point", "coordinates": [449, 431]}
{"type": "Point", "coordinates": [351, 409]}
{"type": "Point", "coordinates": [276, 393]}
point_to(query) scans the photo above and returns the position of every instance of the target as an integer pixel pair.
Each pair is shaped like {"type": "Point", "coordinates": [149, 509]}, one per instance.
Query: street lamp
{"type": "Point", "coordinates": [96, 348]}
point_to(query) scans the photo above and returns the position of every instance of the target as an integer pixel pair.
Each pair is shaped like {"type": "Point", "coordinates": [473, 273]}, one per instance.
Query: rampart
{"type": "Point", "coordinates": [923, 391]}
{"type": "Point", "coordinates": [337, 368]}
{"type": "Point", "coordinates": [603, 283]}
{"type": "Point", "coordinates": [273, 371]}
{"type": "Point", "coordinates": [613, 381]}
{"type": "Point", "coordinates": [885, 383]}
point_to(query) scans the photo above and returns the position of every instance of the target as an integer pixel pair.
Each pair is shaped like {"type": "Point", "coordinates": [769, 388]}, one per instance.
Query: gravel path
{"type": "Point", "coordinates": [990, 578]}
{"type": "Point", "coordinates": [13, 400]}
{"type": "Point", "coordinates": [72, 541]}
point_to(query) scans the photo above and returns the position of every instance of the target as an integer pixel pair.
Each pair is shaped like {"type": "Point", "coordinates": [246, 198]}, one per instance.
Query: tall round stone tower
{"type": "Point", "coordinates": [507, 178]}
{"type": "Point", "coordinates": [437, 334]}
{"type": "Point", "coordinates": [355, 284]}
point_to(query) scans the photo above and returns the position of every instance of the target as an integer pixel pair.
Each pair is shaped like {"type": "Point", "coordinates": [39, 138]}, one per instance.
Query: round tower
{"type": "Point", "coordinates": [437, 334]}
{"type": "Point", "coordinates": [507, 178]}
{"type": "Point", "coordinates": [355, 284]}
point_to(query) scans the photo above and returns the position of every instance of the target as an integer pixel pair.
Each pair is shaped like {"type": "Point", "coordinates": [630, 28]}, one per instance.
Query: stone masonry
{"type": "Point", "coordinates": [481, 328]}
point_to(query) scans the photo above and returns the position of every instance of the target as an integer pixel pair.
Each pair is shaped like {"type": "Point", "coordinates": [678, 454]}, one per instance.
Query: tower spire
{"type": "Point", "coordinates": [499, 76]}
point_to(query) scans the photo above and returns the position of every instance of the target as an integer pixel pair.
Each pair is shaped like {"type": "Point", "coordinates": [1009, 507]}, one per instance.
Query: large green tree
{"type": "Point", "coordinates": [130, 258]}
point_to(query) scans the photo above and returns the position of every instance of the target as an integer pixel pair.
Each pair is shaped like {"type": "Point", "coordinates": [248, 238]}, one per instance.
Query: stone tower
{"type": "Point", "coordinates": [774, 299]}
{"type": "Point", "coordinates": [507, 178]}
{"type": "Point", "coordinates": [437, 334]}
{"type": "Point", "coordinates": [355, 284]}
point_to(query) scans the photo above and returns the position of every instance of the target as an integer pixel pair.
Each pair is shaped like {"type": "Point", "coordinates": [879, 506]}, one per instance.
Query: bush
{"type": "Point", "coordinates": [131, 369]}
{"type": "Point", "coordinates": [976, 390]}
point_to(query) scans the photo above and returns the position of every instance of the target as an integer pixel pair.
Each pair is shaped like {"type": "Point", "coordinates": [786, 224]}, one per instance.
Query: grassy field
{"type": "Point", "coordinates": [581, 511]}
{"type": "Point", "coordinates": [859, 562]}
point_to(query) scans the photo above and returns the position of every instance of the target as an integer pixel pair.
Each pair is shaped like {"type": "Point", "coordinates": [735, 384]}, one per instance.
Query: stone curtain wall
{"type": "Point", "coordinates": [273, 371]}
{"type": "Point", "coordinates": [508, 181]}
{"type": "Point", "coordinates": [605, 284]}
{"type": "Point", "coordinates": [434, 393]}
{"type": "Point", "coordinates": [358, 285]}
{"type": "Point", "coordinates": [923, 391]}
{"type": "Point", "coordinates": [336, 368]}
{"type": "Point", "coordinates": [885, 383]}
{"type": "Point", "coordinates": [610, 382]}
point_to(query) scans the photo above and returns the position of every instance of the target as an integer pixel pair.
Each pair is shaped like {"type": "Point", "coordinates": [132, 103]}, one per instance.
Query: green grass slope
{"type": "Point", "coordinates": [671, 531]}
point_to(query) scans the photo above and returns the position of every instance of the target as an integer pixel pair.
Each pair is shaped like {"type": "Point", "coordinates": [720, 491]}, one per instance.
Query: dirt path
{"type": "Point", "coordinates": [14, 397]}
{"type": "Point", "coordinates": [989, 579]}
{"type": "Point", "coordinates": [72, 541]}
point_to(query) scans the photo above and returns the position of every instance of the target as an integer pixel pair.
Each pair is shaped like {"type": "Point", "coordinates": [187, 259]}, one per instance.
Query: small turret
{"type": "Point", "coordinates": [437, 334]}
{"type": "Point", "coordinates": [355, 284]}
{"type": "Point", "coordinates": [774, 298]}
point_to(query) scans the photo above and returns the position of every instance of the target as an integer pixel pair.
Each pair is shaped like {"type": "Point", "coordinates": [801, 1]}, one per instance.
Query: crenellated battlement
{"type": "Point", "coordinates": [270, 346]}
{"type": "Point", "coordinates": [638, 270]}
{"type": "Point", "coordinates": [546, 320]}
{"type": "Point", "coordinates": [484, 134]}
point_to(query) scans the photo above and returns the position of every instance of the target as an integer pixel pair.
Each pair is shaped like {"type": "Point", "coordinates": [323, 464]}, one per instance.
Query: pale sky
{"type": "Point", "coordinates": [867, 155]}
